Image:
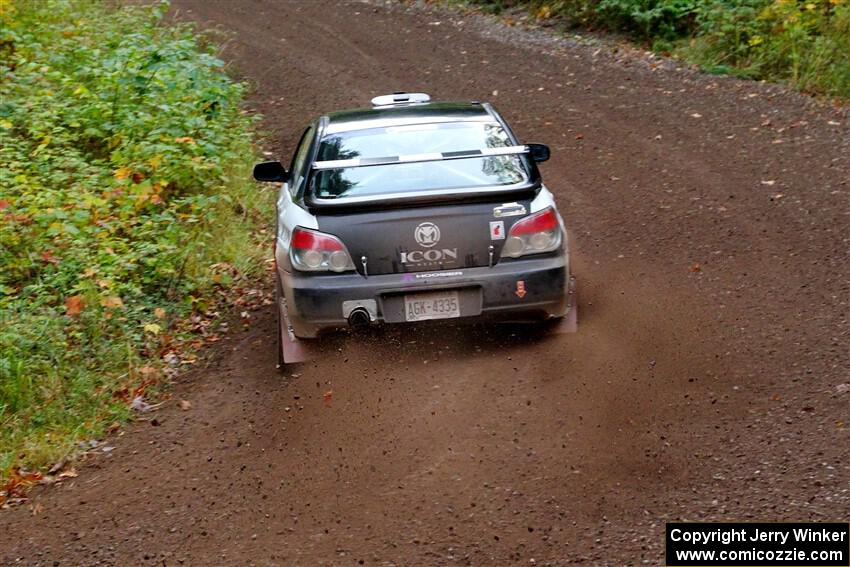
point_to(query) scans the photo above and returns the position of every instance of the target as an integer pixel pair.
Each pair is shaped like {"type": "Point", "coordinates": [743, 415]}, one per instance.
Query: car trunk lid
{"type": "Point", "coordinates": [428, 238]}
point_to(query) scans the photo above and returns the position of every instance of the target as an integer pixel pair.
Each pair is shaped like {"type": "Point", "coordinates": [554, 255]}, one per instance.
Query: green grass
{"type": "Point", "coordinates": [804, 43]}
{"type": "Point", "coordinates": [125, 207]}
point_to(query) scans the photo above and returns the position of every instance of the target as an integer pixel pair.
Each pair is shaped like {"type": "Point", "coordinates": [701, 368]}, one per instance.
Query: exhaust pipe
{"type": "Point", "coordinates": [359, 319]}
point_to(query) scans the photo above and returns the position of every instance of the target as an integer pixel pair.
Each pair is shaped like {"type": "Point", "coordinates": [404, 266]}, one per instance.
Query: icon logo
{"type": "Point", "coordinates": [427, 234]}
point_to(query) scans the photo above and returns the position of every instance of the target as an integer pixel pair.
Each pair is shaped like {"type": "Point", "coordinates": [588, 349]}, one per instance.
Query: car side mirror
{"type": "Point", "coordinates": [538, 152]}
{"type": "Point", "coordinates": [270, 171]}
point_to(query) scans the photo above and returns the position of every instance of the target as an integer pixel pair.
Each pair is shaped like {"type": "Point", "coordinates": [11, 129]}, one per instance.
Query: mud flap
{"type": "Point", "coordinates": [295, 350]}
{"type": "Point", "coordinates": [569, 324]}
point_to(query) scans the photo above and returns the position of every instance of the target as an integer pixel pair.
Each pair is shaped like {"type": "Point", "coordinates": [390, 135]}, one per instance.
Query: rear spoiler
{"type": "Point", "coordinates": [417, 158]}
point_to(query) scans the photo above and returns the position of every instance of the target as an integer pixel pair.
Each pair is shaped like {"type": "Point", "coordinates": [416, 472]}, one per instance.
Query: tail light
{"type": "Point", "coordinates": [538, 233]}
{"type": "Point", "coordinates": [313, 251]}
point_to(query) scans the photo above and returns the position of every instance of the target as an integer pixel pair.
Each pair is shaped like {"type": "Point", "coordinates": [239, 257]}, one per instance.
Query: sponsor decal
{"type": "Point", "coordinates": [434, 255]}
{"type": "Point", "coordinates": [520, 289]}
{"type": "Point", "coordinates": [427, 235]}
{"type": "Point", "coordinates": [438, 275]}
{"type": "Point", "coordinates": [497, 230]}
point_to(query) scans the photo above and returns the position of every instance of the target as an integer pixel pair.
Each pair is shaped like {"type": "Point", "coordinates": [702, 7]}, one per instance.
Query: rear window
{"type": "Point", "coordinates": [399, 178]}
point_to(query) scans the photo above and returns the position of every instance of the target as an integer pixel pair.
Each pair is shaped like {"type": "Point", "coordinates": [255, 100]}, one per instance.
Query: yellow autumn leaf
{"type": "Point", "coordinates": [44, 143]}
{"type": "Point", "coordinates": [152, 328]}
{"type": "Point", "coordinates": [155, 162]}
{"type": "Point", "coordinates": [6, 125]}
{"type": "Point", "coordinates": [113, 301]}
{"type": "Point", "coordinates": [544, 12]}
{"type": "Point", "coordinates": [122, 173]}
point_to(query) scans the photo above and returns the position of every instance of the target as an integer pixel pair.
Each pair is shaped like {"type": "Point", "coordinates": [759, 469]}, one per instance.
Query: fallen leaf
{"type": "Point", "coordinates": [4, 204]}
{"type": "Point", "coordinates": [70, 473]}
{"type": "Point", "coordinates": [185, 405]}
{"type": "Point", "coordinates": [18, 483]}
{"type": "Point", "coordinates": [113, 301]}
{"type": "Point", "coordinates": [152, 328]}
{"type": "Point", "coordinates": [159, 313]}
{"type": "Point", "coordinates": [768, 182]}
{"type": "Point", "coordinates": [49, 257]}
{"type": "Point", "coordinates": [57, 467]}
{"type": "Point", "coordinates": [148, 370]}
{"type": "Point", "coordinates": [328, 398]}
{"type": "Point", "coordinates": [139, 404]}
{"type": "Point", "coordinates": [74, 305]}
{"type": "Point", "coordinates": [696, 268]}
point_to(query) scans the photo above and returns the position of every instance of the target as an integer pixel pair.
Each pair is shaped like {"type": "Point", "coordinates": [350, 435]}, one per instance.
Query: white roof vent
{"type": "Point", "coordinates": [400, 99]}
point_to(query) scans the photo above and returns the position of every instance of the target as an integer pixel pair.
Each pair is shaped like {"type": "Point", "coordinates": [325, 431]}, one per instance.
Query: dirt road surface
{"type": "Point", "coordinates": [709, 224]}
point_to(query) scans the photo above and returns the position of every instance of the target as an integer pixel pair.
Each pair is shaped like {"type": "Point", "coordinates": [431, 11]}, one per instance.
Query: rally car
{"type": "Point", "coordinates": [413, 210]}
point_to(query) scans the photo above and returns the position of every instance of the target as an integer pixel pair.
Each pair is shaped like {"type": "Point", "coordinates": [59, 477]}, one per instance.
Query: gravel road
{"type": "Point", "coordinates": [710, 228]}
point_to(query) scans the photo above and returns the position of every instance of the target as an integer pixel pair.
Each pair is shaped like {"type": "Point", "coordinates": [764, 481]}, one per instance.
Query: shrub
{"type": "Point", "coordinates": [804, 42]}
{"type": "Point", "coordinates": [123, 159]}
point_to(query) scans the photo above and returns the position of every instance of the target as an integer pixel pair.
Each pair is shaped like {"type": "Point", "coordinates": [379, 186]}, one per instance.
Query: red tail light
{"type": "Point", "coordinates": [539, 233]}
{"type": "Point", "coordinates": [303, 239]}
{"type": "Point", "coordinates": [313, 251]}
{"type": "Point", "coordinates": [539, 222]}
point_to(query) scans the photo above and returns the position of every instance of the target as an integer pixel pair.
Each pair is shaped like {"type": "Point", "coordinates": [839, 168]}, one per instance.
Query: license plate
{"type": "Point", "coordinates": [436, 305]}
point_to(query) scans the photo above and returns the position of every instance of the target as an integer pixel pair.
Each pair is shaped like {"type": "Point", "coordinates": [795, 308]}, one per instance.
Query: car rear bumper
{"type": "Point", "coordinates": [511, 289]}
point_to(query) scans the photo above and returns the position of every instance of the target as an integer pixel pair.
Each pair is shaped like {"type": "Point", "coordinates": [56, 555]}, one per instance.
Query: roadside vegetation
{"type": "Point", "coordinates": [125, 211]}
{"type": "Point", "coordinates": [803, 42]}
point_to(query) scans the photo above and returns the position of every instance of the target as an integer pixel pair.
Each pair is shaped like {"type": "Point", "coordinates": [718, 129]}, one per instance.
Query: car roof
{"type": "Point", "coordinates": [399, 115]}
